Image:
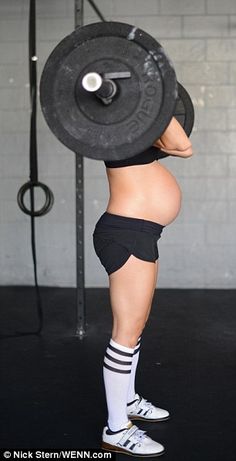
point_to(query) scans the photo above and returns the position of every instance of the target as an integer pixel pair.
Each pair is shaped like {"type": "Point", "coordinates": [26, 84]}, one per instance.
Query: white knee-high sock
{"type": "Point", "coordinates": [131, 391]}
{"type": "Point", "coordinates": [116, 373]}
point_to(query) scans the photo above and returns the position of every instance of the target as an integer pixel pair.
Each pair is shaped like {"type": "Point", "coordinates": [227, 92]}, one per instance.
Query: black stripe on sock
{"type": "Point", "coordinates": [120, 362]}
{"type": "Point", "coordinates": [115, 369]}
{"type": "Point", "coordinates": [126, 354]}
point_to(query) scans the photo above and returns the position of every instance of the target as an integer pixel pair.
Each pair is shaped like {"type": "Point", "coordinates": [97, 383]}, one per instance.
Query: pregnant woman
{"type": "Point", "coordinates": [144, 198]}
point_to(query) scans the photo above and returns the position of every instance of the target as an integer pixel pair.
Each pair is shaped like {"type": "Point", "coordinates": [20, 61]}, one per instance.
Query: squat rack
{"type": "Point", "coordinates": [79, 197]}
{"type": "Point", "coordinates": [79, 181]}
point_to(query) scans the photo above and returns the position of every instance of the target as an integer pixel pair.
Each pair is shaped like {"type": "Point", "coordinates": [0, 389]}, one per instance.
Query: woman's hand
{"type": "Point", "coordinates": [174, 140]}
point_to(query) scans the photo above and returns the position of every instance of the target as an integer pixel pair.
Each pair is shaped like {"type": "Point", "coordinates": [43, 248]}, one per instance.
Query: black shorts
{"type": "Point", "coordinates": [117, 237]}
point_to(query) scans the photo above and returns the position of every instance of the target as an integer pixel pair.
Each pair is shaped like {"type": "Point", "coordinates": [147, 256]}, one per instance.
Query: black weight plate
{"type": "Point", "coordinates": [139, 112]}
{"type": "Point", "coordinates": [184, 110]}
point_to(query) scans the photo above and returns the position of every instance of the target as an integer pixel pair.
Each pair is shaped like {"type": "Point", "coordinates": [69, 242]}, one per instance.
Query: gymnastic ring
{"type": "Point", "coordinates": [48, 196]}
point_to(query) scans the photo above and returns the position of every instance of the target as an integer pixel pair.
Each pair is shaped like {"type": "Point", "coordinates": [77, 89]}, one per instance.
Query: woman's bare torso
{"type": "Point", "coordinates": [147, 191]}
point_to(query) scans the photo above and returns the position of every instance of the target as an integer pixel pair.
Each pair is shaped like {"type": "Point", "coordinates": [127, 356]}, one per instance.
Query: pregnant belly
{"type": "Point", "coordinates": [144, 191]}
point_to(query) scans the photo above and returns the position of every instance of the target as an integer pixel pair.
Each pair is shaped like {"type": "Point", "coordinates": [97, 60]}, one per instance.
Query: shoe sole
{"type": "Point", "coordinates": [141, 418]}
{"type": "Point", "coordinates": [114, 448]}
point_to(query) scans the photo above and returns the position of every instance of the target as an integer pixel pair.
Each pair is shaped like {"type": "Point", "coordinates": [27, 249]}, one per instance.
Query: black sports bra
{"type": "Point", "coordinates": [148, 156]}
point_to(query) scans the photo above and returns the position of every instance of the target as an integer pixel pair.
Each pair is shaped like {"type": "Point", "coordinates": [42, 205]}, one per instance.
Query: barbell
{"type": "Point", "coordinates": [108, 91]}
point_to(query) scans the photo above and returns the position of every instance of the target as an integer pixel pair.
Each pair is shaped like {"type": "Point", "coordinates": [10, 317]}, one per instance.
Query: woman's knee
{"type": "Point", "coordinates": [134, 325]}
{"type": "Point", "coordinates": [128, 335]}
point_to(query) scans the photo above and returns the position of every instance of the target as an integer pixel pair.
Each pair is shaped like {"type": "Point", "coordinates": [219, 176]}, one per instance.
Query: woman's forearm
{"type": "Point", "coordinates": [179, 153]}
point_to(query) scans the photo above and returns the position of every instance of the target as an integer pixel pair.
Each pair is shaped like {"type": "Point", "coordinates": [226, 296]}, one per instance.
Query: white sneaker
{"type": "Point", "coordinates": [131, 441]}
{"type": "Point", "coordinates": [145, 411]}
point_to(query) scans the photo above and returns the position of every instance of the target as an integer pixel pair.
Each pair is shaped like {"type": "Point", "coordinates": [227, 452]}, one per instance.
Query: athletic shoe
{"type": "Point", "coordinates": [131, 441]}
{"type": "Point", "coordinates": [145, 411]}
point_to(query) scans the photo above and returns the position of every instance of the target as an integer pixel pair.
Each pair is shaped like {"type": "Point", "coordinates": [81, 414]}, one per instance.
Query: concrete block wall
{"type": "Point", "coordinates": [198, 249]}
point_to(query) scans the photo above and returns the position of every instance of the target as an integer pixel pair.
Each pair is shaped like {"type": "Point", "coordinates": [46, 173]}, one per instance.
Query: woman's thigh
{"type": "Point", "coordinates": [131, 292]}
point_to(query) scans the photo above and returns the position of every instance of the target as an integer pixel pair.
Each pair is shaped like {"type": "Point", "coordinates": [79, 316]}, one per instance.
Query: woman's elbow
{"type": "Point", "coordinates": [187, 152]}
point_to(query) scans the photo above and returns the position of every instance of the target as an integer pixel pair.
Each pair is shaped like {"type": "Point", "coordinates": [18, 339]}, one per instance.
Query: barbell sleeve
{"type": "Point", "coordinates": [92, 82]}
{"type": "Point", "coordinates": [104, 88]}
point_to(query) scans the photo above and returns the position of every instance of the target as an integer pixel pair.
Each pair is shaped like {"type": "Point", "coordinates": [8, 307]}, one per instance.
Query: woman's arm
{"type": "Point", "coordinates": [174, 140]}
